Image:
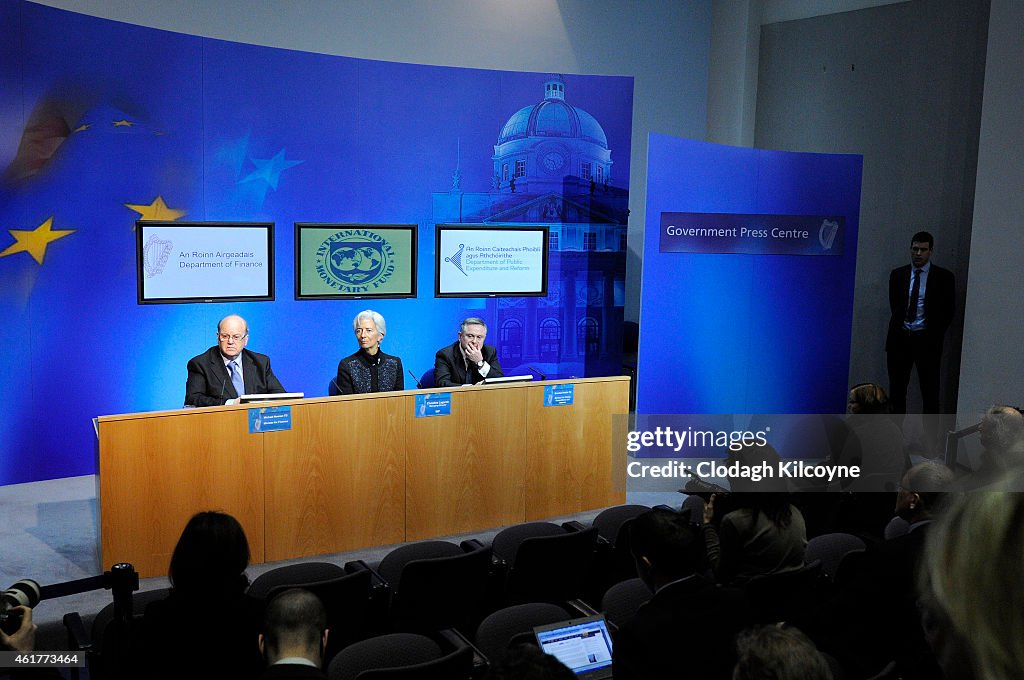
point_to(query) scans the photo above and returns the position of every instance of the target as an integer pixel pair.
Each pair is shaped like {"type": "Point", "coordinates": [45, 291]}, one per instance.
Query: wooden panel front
{"type": "Point", "coordinates": [336, 480]}
{"type": "Point", "coordinates": [570, 464]}
{"type": "Point", "coordinates": [466, 471]}
{"type": "Point", "coordinates": [157, 471]}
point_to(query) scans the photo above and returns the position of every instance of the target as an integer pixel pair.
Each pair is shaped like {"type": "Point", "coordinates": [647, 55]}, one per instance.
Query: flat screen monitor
{"type": "Point", "coordinates": [178, 262]}
{"type": "Point", "coordinates": [354, 261]}
{"type": "Point", "coordinates": [485, 261]}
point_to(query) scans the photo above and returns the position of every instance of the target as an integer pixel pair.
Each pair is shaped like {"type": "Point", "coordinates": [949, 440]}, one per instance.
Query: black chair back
{"type": "Point", "coordinates": [384, 651]}
{"type": "Point", "coordinates": [552, 568]}
{"type": "Point", "coordinates": [441, 592]}
{"type": "Point", "coordinates": [457, 665]}
{"type": "Point", "coordinates": [499, 630]}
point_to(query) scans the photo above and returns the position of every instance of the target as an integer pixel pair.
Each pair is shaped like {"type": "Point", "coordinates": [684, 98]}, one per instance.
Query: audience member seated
{"type": "Point", "coordinates": [974, 556]}
{"type": "Point", "coordinates": [528, 662]}
{"type": "Point", "coordinates": [1002, 442]}
{"type": "Point", "coordinates": [207, 626]}
{"type": "Point", "coordinates": [761, 534]}
{"type": "Point", "coordinates": [778, 652]}
{"type": "Point", "coordinates": [294, 636]}
{"type": "Point", "coordinates": [875, 620]}
{"type": "Point", "coordinates": [876, 444]}
{"type": "Point", "coordinates": [689, 627]}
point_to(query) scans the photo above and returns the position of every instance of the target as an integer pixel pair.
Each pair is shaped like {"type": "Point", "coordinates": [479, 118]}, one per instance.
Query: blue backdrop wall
{"type": "Point", "coordinates": [105, 123]}
{"type": "Point", "coordinates": [735, 324]}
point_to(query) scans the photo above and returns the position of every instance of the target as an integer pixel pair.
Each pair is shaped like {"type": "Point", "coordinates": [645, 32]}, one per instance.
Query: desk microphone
{"type": "Point", "coordinates": [419, 386]}
{"type": "Point", "coordinates": [538, 372]}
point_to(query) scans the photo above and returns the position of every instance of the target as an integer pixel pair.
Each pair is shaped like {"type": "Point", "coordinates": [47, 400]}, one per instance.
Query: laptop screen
{"type": "Point", "coordinates": [583, 645]}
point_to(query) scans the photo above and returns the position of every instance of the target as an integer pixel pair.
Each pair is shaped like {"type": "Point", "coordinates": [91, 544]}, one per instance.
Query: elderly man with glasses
{"type": "Point", "coordinates": [223, 373]}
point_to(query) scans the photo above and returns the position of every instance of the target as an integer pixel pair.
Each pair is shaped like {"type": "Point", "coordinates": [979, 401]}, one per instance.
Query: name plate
{"type": "Point", "coordinates": [270, 419]}
{"type": "Point", "coordinates": [429, 405]}
{"type": "Point", "coordinates": [559, 395]}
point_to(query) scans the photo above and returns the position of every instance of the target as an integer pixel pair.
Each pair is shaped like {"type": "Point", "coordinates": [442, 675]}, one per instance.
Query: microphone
{"type": "Point", "coordinates": [414, 379]}
{"type": "Point", "coordinates": [223, 384]}
{"type": "Point", "coordinates": [334, 381]}
{"type": "Point", "coordinates": [537, 371]}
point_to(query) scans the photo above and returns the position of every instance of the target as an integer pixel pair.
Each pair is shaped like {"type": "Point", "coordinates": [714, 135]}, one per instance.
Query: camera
{"type": "Point", "coordinates": [24, 593]}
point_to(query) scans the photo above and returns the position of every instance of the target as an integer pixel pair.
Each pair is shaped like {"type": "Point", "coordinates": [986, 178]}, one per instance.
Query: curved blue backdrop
{"type": "Point", "coordinates": [103, 123]}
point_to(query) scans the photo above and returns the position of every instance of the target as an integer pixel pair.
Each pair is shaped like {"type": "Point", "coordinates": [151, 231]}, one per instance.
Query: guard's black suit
{"type": "Point", "coordinates": [905, 349]}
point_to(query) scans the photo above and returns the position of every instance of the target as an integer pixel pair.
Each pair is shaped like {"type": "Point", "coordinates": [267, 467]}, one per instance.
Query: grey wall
{"type": "Point", "coordinates": [992, 370]}
{"type": "Point", "coordinates": [900, 84]}
{"type": "Point", "coordinates": [663, 45]}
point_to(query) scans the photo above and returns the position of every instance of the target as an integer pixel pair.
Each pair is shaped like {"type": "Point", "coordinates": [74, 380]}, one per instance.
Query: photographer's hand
{"type": "Point", "coordinates": [709, 509]}
{"type": "Point", "coordinates": [23, 639]}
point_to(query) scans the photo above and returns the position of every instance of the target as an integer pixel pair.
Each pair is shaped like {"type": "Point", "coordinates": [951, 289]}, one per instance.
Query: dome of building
{"type": "Point", "coordinates": [554, 118]}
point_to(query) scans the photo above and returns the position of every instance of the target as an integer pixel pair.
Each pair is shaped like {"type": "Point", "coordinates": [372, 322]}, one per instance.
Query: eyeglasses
{"type": "Point", "coordinates": [228, 336]}
{"type": "Point", "coordinates": [470, 336]}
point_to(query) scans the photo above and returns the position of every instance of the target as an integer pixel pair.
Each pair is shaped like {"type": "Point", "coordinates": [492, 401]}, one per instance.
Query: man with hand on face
{"type": "Point", "coordinates": [223, 373]}
{"type": "Point", "coordinates": [468, 360]}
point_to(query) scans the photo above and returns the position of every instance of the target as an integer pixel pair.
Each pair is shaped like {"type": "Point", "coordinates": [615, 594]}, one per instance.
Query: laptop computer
{"type": "Point", "coordinates": [584, 645]}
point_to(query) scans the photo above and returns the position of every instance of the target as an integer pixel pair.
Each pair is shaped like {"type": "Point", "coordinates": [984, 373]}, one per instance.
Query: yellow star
{"type": "Point", "coordinates": [123, 123]}
{"type": "Point", "coordinates": [157, 210]}
{"type": "Point", "coordinates": [34, 241]}
{"type": "Point", "coordinates": [83, 127]}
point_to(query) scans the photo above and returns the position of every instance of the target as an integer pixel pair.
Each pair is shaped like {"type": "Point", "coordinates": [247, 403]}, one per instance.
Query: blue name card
{"type": "Point", "coordinates": [428, 405]}
{"type": "Point", "coordinates": [559, 395]}
{"type": "Point", "coordinates": [270, 419]}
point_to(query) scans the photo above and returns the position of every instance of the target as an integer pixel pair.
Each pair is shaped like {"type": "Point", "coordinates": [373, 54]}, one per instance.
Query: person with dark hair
{"type": "Point", "coordinates": [528, 662]}
{"type": "Point", "coordinates": [207, 619]}
{"type": "Point", "coordinates": [689, 627]}
{"type": "Point", "coordinates": [921, 303]}
{"type": "Point", "coordinates": [468, 360]}
{"type": "Point", "coordinates": [778, 652]}
{"type": "Point", "coordinates": [763, 534]}
{"type": "Point", "coordinates": [294, 636]}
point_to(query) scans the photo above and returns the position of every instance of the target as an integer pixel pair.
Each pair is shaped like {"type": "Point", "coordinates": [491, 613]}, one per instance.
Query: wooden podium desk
{"type": "Point", "coordinates": [358, 470]}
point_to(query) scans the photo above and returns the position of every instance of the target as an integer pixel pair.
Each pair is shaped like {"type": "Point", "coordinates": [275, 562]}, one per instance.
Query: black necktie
{"type": "Point", "coordinates": [915, 293]}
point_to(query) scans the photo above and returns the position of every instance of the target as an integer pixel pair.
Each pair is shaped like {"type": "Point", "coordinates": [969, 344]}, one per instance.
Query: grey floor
{"type": "Point", "coordinates": [48, 532]}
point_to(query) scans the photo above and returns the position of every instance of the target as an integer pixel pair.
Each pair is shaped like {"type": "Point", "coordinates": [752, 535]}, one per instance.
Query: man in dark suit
{"type": "Point", "coordinates": [689, 627]}
{"type": "Point", "coordinates": [468, 361]}
{"type": "Point", "coordinates": [294, 636]}
{"type": "Point", "coordinates": [223, 373]}
{"type": "Point", "coordinates": [921, 300]}
{"type": "Point", "coordinates": [875, 617]}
